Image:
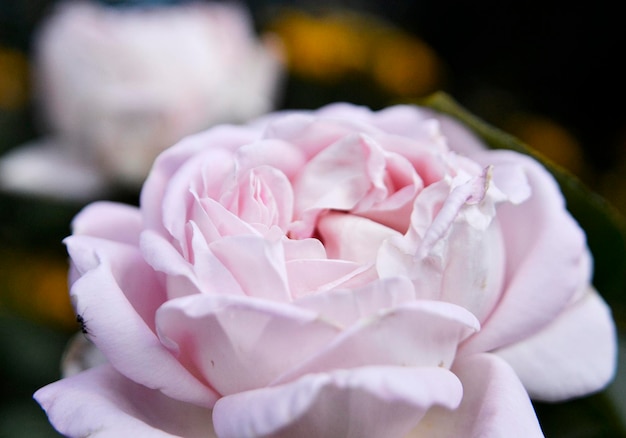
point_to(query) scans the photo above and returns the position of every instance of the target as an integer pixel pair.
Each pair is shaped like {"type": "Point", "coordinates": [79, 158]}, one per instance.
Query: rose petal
{"type": "Point", "coordinates": [102, 402]}
{"type": "Point", "coordinates": [355, 173]}
{"type": "Point", "coordinates": [139, 283]}
{"type": "Point", "coordinates": [237, 343]}
{"type": "Point", "coordinates": [338, 176]}
{"type": "Point", "coordinates": [117, 296]}
{"type": "Point", "coordinates": [418, 333]}
{"type": "Point", "coordinates": [465, 197]}
{"type": "Point", "coordinates": [453, 251]}
{"type": "Point", "coordinates": [311, 276]}
{"type": "Point", "coordinates": [574, 355]}
{"type": "Point", "coordinates": [303, 249]}
{"type": "Point", "coordinates": [427, 153]}
{"type": "Point", "coordinates": [169, 162]}
{"type": "Point", "coordinates": [344, 307]}
{"type": "Point", "coordinates": [256, 264]}
{"type": "Point", "coordinates": [360, 114]}
{"type": "Point", "coordinates": [180, 279]}
{"type": "Point", "coordinates": [365, 402]}
{"type": "Point", "coordinates": [458, 137]}
{"type": "Point", "coordinates": [464, 142]}
{"type": "Point", "coordinates": [261, 195]}
{"type": "Point", "coordinates": [215, 221]}
{"type": "Point", "coordinates": [220, 267]}
{"type": "Point", "coordinates": [494, 404]}
{"type": "Point", "coordinates": [421, 137]}
{"type": "Point", "coordinates": [354, 238]}
{"type": "Point", "coordinates": [190, 183]}
{"type": "Point", "coordinates": [278, 154]}
{"type": "Point", "coordinates": [109, 220]}
{"type": "Point", "coordinates": [511, 179]}
{"type": "Point", "coordinates": [545, 255]}
{"type": "Point", "coordinates": [415, 123]}
{"type": "Point", "coordinates": [312, 133]}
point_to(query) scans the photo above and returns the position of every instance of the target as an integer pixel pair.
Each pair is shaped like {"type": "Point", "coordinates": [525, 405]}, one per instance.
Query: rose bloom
{"type": "Point", "coordinates": [333, 273]}
{"type": "Point", "coordinates": [117, 85]}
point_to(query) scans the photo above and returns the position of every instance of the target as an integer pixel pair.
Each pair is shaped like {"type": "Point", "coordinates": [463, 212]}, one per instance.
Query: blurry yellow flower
{"type": "Point", "coordinates": [37, 289]}
{"type": "Point", "coordinates": [405, 66]}
{"type": "Point", "coordinates": [333, 46]}
{"type": "Point", "coordinates": [323, 49]}
{"type": "Point", "coordinates": [14, 79]}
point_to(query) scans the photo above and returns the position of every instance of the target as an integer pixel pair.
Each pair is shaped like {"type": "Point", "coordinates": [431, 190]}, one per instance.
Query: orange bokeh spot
{"type": "Point", "coordinates": [14, 80]}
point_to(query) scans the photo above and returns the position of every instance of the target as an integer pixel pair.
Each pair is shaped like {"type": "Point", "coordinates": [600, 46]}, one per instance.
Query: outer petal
{"type": "Point", "coordinates": [417, 334]}
{"type": "Point", "coordinates": [125, 263]}
{"type": "Point", "coordinates": [102, 402]}
{"type": "Point", "coordinates": [574, 355]}
{"type": "Point", "coordinates": [459, 138]}
{"type": "Point", "coordinates": [545, 257]}
{"type": "Point", "coordinates": [348, 112]}
{"type": "Point", "coordinates": [494, 404]}
{"type": "Point", "coordinates": [109, 220]}
{"type": "Point", "coordinates": [410, 121]}
{"type": "Point", "coordinates": [117, 296]}
{"type": "Point", "coordinates": [238, 344]}
{"type": "Point", "coordinates": [366, 402]}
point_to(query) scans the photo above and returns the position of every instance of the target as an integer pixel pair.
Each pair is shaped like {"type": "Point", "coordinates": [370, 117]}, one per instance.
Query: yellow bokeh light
{"type": "Point", "coordinates": [406, 66]}
{"type": "Point", "coordinates": [36, 286]}
{"type": "Point", "coordinates": [332, 46]}
{"type": "Point", "coordinates": [323, 49]}
{"type": "Point", "coordinates": [14, 81]}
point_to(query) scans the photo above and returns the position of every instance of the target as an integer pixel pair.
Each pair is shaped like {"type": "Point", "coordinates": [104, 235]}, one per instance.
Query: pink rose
{"type": "Point", "coordinates": [338, 272]}
{"type": "Point", "coordinates": [117, 85]}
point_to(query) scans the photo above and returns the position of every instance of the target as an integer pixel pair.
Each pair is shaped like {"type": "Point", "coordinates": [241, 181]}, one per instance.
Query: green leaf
{"type": "Point", "coordinates": [604, 226]}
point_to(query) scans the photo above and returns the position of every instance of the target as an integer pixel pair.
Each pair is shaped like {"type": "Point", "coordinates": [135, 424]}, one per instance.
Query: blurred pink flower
{"type": "Point", "coordinates": [117, 85]}
{"type": "Point", "coordinates": [338, 272]}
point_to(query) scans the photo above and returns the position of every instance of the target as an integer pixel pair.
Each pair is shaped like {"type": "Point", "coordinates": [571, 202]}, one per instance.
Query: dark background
{"type": "Point", "coordinates": [564, 62]}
